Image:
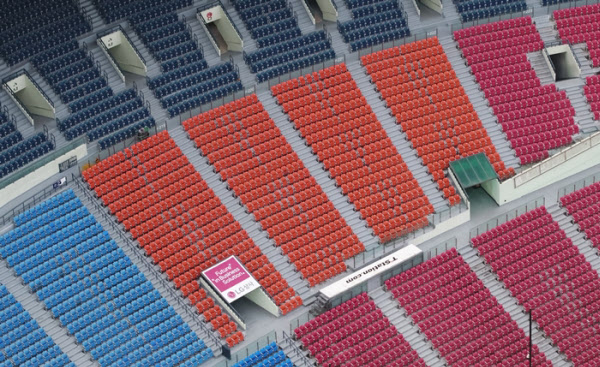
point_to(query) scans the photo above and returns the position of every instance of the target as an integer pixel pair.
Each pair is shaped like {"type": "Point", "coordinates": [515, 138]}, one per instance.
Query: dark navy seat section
{"type": "Point", "coordinates": [373, 22]}
{"type": "Point", "coordinates": [95, 110]}
{"type": "Point", "coordinates": [281, 46]}
{"type": "Point", "coordinates": [187, 81]}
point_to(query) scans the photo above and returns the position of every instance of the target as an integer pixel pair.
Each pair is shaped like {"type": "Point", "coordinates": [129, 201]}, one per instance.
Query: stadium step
{"type": "Point", "coordinates": [114, 81]}
{"type": "Point", "coordinates": [92, 12]}
{"type": "Point", "coordinates": [158, 280]}
{"type": "Point", "coordinates": [578, 238]}
{"type": "Point", "coordinates": [516, 311]}
{"type": "Point", "coordinates": [153, 68]}
{"type": "Point", "coordinates": [316, 169]}
{"type": "Point", "coordinates": [479, 102]}
{"type": "Point", "coordinates": [398, 137]}
{"type": "Point", "coordinates": [583, 116]}
{"type": "Point", "coordinates": [397, 316]}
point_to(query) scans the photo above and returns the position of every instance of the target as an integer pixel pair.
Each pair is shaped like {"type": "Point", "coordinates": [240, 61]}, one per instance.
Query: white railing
{"type": "Point", "coordinates": [557, 159]}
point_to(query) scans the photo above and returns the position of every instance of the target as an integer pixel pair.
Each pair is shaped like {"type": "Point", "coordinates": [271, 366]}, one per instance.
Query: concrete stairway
{"type": "Point", "coordinates": [234, 206]}
{"type": "Point", "coordinates": [398, 137]}
{"type": "Point", "coordinates": [316, 169]}
{"type": "Point", "coordinates": [479, 102]}
{"type": "Point", "coordinates": [586, 247]}
{"type": "Point", "coordinates": [397, 316]}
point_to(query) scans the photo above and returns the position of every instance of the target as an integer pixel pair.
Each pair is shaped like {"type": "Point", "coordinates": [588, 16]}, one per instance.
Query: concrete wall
{"type": "Point", "coordinates": [38, 176]}
{"type": "Point", "coordinates": [576, 158]}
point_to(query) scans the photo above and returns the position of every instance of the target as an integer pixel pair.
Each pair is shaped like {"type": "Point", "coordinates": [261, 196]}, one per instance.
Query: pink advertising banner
{"type": "Point", "coordinates": [231, 279]}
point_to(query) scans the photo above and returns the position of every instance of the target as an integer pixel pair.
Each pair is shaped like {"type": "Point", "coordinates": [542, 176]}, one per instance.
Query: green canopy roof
{"type": "Point", "coordinates": [473, 170]}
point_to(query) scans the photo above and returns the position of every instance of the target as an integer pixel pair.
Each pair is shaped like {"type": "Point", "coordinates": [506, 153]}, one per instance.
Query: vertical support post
{"type": "Point", "coordinates": [530, 340]}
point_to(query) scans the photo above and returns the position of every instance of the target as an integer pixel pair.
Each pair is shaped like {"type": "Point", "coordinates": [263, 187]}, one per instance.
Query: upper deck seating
{"type": "Point", "coordinates": [471, 10]}
{"type": "Point", "coordinates": [282, 48]}
{"type": "Point", "coordinates": [113, 10]}
{"type": "Point", "coordinates": [583, 206]}
{"type": "Point", "coordinates": [460, 316]}
{"type": "Point", "coordinates": [94, 290]}
{"type": "Point", "coordinates": [95, 110]}
{"type": "Point", "coordinates": [535, 118]}
{"type": "Point", "coordinates": [373, 22]}
{"type": "Point", "coordinates": [253, 157]}
{"type": "Point", "coordinates": [548, 275]}
{"type": "Point", "coordinates": [28, 27]}
{"type": "Point", "coordinates": [187, 82]}
{"type": "Point", "coordinates": [420, 87]}
{"type": "Point", "coordinates": [333, 116]}
{"type": "Point", "coordinates": [16, 152]}
{"type": "Point", "coordinates": [356, 333]}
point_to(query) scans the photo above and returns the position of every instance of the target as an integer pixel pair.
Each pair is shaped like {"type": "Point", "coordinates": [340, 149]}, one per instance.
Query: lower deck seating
{"type": "Point", "coordinates": [358, 334]}
{"type": "Point", "coordinates": [90, 285]}
{"type": "Point", "coordinates": [460, 316]}
{"type": "Point", "coordinates": [252, 156]}
{"type": "Point", "coordinates": [270, 355]}
{"type": "Point", "coordinates": [583, 205]}
{"type": "Point", "coordinates": [187, 82]}
{"type": "Point", "coordinates": [591, 90]}
{"type": "Point", "coordinates": [535, 118]}
{"type": "Point", "coordinates": [180, 222]}
{"type": "Point", "coordinates": [95, 110]}
{"type": "Point", "coordinates": [24, 342]}
{"type": "Point", "coordinates": [548, 275]}
{"type": "Point", "coordinates": [282, 48]}
{"type": "Point", "coordinates": [373, 23]}
{"type": "Point", "coordinates": [581, 25]}
{"type": "Point", "coordinates": [333, 116]}
{"type": "Point", "coordinates": [420, 87]}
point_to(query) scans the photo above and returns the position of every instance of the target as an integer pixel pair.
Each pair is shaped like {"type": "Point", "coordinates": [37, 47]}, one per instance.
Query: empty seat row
{"type": "Point", "coordinates": [540, 266]}
{"type": "Point", "coordinates": [186, 82]}
{"type": "Point", "coordinates": [424, 94]}
{"type": "Point", "coordinates": [356, 333]}
{"type": "Point", "coordinates": [22, 151]}
{"type": "Point", "coordinates": [28, 32]}
{"type": "Point", "coordinates": [580, 25]}
{"type": "Point", "coordinates": [330, 112]}
{"type": "Point", "coordinates": [592, 93]}
{"type": "Point", "coordinates": [459, 315]}
{"type": "Point", "coordinates": [180, 223]}
{"type": "Point", "coordinates": [112, 10]}
{"type": "Point", "coordinates": [269, 355]}
{"type": "Point", "coordinates": [95, 110]}
{"type": "Point", "coordinates": [374, 22]}
{"type": "Point", "coordinates": [91, 287]}
{"type": "Point", "coordinates": [582, 206]}
{"type": "Point", "coordinates": [282, 48]}
{"type": "Point", "coordinates": [505, 73]}
{"type": "Point", "coordinates": [260, 167]}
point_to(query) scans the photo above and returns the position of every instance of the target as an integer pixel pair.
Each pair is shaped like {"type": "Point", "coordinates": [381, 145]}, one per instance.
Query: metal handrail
{"type": "Point", "coordinates": [290, 342]}
{"type": "Point", "coordinates": [37, 198]}
{"type": "Point", "coordinates": [14, 97]}
{"type": "Point", "coordinates": [158, 276]}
